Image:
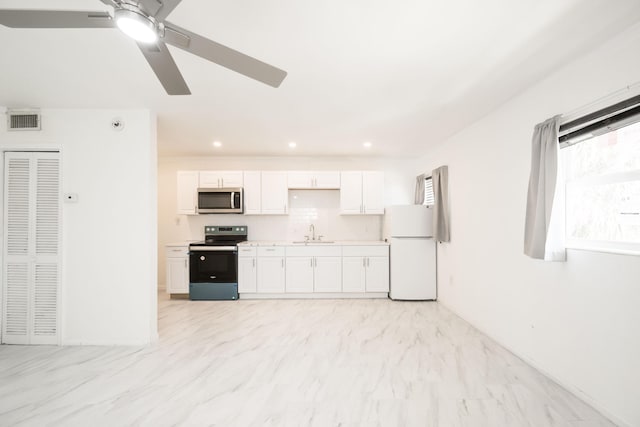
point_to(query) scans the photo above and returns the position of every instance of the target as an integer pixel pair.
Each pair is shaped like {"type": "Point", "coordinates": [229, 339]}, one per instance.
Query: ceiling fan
{"type": "Point", "coordinates": [144, 21]}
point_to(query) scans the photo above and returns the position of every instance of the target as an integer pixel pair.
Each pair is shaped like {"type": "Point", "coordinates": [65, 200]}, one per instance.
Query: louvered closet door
{"type": "Point", "coordinates": [31, 248]}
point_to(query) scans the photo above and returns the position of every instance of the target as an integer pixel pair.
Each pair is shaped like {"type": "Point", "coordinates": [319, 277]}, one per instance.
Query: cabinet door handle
{"type": "Point", "coordinates": [254, 263]}
{"type": "Point", "coordinates": [282, 261]}
{"type": "Point", "coordinates": [364, 262]}
{"type": "Point", "coordinates": [367, 262]}
{"type": "Point", "coordinates": [311, 262]}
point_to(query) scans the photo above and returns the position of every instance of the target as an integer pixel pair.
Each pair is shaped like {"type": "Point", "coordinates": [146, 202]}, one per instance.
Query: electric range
{"type": "Point", "coordinates": [213, 263]}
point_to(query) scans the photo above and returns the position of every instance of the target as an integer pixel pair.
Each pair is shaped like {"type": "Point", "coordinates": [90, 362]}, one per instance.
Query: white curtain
{"type": "Point", "coordinates": [544, 224]}
{"type": "Point", "coordinates": [440, 181]}
{"type": "Point", "coordinates": [419, 198]}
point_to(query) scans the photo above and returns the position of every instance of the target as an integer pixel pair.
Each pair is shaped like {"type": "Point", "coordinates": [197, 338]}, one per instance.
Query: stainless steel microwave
{"type": "Point", "coordinates": [220, 200]}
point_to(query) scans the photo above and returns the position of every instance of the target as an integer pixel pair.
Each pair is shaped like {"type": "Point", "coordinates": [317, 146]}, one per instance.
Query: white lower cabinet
{"type": "Point", "coordinates": [247, 270]}
{"type": "Point", "coordinates": [313, 270]}
{"type": "Point", "coordinates": [377, 274]}
{"type": "Point", "coordinates": [327, 274]}
{"type": "Point", "coordinates": [365, 269]}
{"type": "Point", "coordinates": [353, 274]}
{"type": "Point", "coordinates": [177, 274]}
{"type": "Point", "coordinates": [299, 274]}
{"type": "Point", "coordinates": [270, 275]}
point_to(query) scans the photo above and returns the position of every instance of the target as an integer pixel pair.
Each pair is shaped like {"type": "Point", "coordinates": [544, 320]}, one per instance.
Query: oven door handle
{"type": "Point", "coordinates": [213, 248]}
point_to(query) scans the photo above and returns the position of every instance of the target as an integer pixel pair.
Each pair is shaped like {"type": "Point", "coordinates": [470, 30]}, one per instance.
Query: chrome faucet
{"type": "Point", "coordinates": [312, 228]}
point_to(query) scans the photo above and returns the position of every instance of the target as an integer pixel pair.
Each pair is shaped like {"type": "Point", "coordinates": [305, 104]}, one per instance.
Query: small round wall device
{"type": "Point", "coordinates": [117, 124]}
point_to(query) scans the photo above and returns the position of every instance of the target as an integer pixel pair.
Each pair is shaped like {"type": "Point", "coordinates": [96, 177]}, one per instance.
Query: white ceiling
{"type": "Point", "coordinates": [400, 74]}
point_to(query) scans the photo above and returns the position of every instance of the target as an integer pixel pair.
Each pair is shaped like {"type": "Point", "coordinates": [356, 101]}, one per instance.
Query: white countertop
{"type": "Point", "coordinates": [181, 243]}
{"type": "Point", "coordinates": [311, 243]}
{"type": "Point", "coordinates": [291, 243]}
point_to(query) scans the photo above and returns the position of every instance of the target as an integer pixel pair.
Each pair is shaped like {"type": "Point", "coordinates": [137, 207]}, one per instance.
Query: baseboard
{"type": "Point", "coordinates": [104, 343]}
{"type": "Point", "coordinates": [564, 384]}
{"type": "Point", "coordinates": [328, 295]}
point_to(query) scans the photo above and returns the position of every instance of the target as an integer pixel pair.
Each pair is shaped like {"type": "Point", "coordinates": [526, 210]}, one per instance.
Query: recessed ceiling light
{"type": "Point", "coordinates": [366, 144]}
{"type": "Point", "coordinates": [292, 145]}
{"type": "Point", "coordinates": [217, 144]}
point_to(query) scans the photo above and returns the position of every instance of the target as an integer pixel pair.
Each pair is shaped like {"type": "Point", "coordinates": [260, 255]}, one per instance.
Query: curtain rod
{"type": "Point", "coordinates": [618, 95]}
{"type": "Point", "coordinates": [604, 113]}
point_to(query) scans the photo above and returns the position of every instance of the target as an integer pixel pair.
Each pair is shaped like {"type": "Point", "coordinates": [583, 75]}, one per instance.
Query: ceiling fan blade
{"type": "Point", "coordinates": [110, 2]}
{"type": "Point", "coordinates": [54, 19]}
{"type": "Point", "coordinates": [162, 63]}
{"type": "Point", "coordinates": [159, 9]}
{"type": "Point", "coordinates": [222, 55]}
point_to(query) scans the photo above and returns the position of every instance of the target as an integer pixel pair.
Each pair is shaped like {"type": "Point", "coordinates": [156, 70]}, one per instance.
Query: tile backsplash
{"type": "Point", "coordinates": [318, 207]}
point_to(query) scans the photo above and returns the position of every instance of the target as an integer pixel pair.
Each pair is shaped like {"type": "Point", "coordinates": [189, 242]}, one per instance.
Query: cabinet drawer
{"type": "Point", "coordinates": [314, 251]}
{"type": "Point", "coordinates": [246, 251]}
{"type": "Point", "coordinates": [377, 250]}
{"type": "Point", "coordinates": [177, 251]}
{"type": "Point", "coordinates": [271, 251]}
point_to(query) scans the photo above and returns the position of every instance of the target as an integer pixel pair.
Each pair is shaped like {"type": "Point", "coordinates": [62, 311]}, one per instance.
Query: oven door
{"type": "Point", "coordinates": [213, 264]}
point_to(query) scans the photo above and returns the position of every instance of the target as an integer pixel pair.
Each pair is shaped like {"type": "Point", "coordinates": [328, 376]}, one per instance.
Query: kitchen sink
{"type": "Point", "coordinates": [312, 242]}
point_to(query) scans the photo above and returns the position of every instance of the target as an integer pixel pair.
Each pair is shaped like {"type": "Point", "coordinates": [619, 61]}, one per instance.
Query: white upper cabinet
{"type": "Point", "coordinates": [351, 193]}
{"type": "Point", "coordinates": [187, 192]}
{"type": "Point", "coordinates": [315, 180]}
{"type": "Point", "coordinates": [252, 193]}
{"type": "Point", "coordinates": [373, 193]}
{"type": "Point", "coordinates": [220, 179]}
{"type": "Point", "coordinates": [362, 193]}
{"type": "Point", "coordinates": [275, 195]}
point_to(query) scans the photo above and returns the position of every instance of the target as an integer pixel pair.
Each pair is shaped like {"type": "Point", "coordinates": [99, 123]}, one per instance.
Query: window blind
{"type": "Point", "coordinates": [428, 192]}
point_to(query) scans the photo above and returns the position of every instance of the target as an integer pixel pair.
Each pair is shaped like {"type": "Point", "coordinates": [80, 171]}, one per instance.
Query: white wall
{"type": "Point", "coordinates": [320, 207]}
{"type": "Point", "coordinates": [109, 236]}
{"type": "Point", "coordinates": [578, 321]}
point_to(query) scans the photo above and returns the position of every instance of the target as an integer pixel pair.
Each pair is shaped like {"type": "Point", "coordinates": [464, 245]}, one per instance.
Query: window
{"type": "Point", "coordinates": [602, 183]}
{"type": "Point", "coordinates": [428, 192]}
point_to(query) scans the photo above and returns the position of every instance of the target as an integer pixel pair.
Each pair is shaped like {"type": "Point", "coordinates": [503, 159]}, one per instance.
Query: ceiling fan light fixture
{"type": "Point", "coordinates": [136, 25]}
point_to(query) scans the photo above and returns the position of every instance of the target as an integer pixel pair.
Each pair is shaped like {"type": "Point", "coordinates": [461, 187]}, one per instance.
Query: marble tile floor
{"type": "Point", "coordinates": [288, 363]}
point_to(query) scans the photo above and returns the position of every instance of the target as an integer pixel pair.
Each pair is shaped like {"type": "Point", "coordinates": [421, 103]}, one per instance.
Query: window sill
{"type": "Point", "coordinates": [616, 251]}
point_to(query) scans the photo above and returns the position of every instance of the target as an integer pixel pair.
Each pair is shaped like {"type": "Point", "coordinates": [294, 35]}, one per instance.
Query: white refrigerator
{"type": "Point", "coordinates": [412, 259]}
